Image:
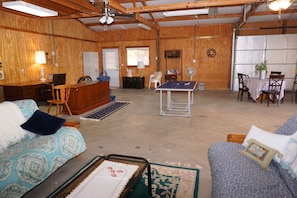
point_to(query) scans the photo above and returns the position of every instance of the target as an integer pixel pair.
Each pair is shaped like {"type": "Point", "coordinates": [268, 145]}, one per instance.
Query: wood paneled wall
{"type": "Point", "coordinates": [21, 36]}
{"type": "Point", "coordinates": [213, 72]}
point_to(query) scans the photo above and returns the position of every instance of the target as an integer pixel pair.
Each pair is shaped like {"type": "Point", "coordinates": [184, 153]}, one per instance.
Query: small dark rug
{"type": "Point", "coordinates": [106, 111]}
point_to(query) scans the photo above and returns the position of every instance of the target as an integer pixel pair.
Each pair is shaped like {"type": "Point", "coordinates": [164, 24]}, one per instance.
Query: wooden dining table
{"type": "Point", "coordinates": [256, 86]}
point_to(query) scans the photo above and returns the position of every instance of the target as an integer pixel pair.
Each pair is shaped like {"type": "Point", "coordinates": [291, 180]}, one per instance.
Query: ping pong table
{"type": "Point", "coordinates": [182, 109]}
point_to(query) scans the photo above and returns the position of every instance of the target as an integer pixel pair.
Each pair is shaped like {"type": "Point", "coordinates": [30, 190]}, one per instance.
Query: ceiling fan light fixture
{"type": "Point", "coordinates": [29, 8]}
{"type": "Point", "coordinates": [186, 12]}
{"type": "Point", "coordinates": [109, 20]}
{"type": "Point", "coordinates": [103, 19]}
{"type": "Point", "coordinates": [280, 5]}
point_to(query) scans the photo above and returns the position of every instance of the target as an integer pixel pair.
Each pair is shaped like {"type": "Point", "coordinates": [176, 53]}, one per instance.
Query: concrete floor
{"type": "Point", "coordinates": [139, 130]}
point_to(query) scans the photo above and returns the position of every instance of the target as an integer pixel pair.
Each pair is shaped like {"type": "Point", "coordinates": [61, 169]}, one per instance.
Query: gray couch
{"type": "Point", "coordinates": [234, 175]}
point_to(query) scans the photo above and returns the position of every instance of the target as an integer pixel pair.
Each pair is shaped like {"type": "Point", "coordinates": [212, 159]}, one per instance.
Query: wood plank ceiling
{"type": "Point", "coordinates": [128, 14]}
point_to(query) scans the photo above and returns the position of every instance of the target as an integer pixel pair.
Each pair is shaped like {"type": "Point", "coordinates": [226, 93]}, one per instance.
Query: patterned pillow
{"type": "Point", "coordinates": [275, 141]}
{"type": "Point", "coordinates": [259, 153]}
{"type": "Point", "coordinates": [289, 159]}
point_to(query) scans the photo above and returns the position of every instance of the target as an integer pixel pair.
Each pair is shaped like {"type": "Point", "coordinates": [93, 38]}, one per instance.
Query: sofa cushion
{"type": "Point", "coordinates": [289, 160]}
{"type": "Point", "coordinates": [275, 141]}
{"type": "Point", "coordinates": [234, 175]}
{"type": "Point", "coordinates": [289, 127]}
{"type": "Point", "coordinates": [259, 153]}
{"type": "Point", "coordinates": [43, 123]}
{"type": "Point", "coordinates": [10, 120]}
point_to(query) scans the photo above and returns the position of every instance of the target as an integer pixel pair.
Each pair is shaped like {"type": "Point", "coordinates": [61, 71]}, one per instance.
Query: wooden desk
{"type": "Point", "coordinates": [88, 95]}
{"type": "Point", "coordinates": [24, 90]}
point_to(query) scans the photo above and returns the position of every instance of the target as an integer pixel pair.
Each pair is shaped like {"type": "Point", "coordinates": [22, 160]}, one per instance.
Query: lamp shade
{"type": "Point", "coordinates": [140, 65]}
{"type": "Point", "coordinates": [40, 57]}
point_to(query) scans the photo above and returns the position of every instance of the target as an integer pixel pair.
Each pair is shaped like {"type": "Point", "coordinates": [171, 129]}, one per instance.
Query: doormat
{"type": "Point", "coordinates": [168, 181]}
{"type": "Point", "coordinates": [106, 111]}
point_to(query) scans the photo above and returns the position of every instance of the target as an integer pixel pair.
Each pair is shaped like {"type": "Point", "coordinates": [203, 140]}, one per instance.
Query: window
{"type": "Point", "coordinates": [135, 54]}
{"type": "Point", "coordinates": [110, 60]}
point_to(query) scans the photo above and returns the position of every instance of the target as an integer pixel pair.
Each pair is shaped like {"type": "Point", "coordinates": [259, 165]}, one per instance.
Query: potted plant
{"type": "Point", "coordinates": [261, 69]}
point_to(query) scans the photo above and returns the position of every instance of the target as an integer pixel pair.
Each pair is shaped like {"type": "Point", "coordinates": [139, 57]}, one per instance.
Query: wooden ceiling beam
{"type": "Point", "coordinates": [189, 5]}
{"type": "Point", "coordinates": [117, 6]}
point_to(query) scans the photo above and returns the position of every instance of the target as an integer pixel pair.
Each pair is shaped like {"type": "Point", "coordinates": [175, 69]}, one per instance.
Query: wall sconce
{"type": "Point", "coordinates": [280, 5]}
{"type": "Point", "coordinates": [140, 67]}
{"type": "Point", "coordinates": [40, 59]}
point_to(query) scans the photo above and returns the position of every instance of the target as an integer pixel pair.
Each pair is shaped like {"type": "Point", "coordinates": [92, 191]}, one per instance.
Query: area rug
{"type": "Point", "coordinates": [169, 182]}
{"type": "Point", "coordinates": [106, 111]}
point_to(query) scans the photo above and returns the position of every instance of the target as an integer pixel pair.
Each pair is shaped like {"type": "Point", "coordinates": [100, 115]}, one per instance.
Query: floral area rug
{"type": "Point", "coordinates": [169, 182]}
{"type": "Point", "coordinates": [106, 111]}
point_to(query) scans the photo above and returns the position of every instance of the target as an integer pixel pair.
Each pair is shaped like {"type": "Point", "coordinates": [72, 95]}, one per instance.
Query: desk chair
{"type": "Point", "coordinates": [155, 78]}
{"type": "Point", "coordinates": [294, 90]}
{"type": "Point", "coordinates": [60, 95]}
{"type": "Point", "coordinates": [46, 90]}
{"type": "Point", "coordinates": [241, 85]}
{"type": "Point", "coordinates": [274, 88]}
{"type": "Point", "coordinates": [275, 73]}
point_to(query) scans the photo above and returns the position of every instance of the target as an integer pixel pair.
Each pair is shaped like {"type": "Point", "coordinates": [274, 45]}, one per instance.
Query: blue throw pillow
{"type": "Point", "coordinates": [43, 123]}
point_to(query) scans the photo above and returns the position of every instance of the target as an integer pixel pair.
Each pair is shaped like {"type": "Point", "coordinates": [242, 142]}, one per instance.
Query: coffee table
{"type": "Point", "coordinates": [68, 186]}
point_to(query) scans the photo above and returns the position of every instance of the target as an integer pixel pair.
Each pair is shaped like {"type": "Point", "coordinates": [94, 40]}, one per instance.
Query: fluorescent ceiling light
{"type": "Point", "coordinates": [28, 8]}
{"type": "Point", "coordinates": [186, 12]}
{"type": "Point", "coordinates": [143, 26]}
{"type": "Point", "coordinates": [280, 4]}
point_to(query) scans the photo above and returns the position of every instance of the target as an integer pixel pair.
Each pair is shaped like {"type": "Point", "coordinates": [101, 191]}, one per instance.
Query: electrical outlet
{"type": "Point", "coordinates": [23, 70]}
{"type": "Point", "coordinates": [1, 75]}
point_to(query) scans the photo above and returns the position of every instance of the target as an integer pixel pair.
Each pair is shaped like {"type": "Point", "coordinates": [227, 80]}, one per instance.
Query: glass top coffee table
{"type": "Point", "coordinates": [140, 164]}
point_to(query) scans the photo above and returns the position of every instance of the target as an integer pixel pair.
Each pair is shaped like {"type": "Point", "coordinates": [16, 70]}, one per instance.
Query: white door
{"type": "Point", "coordinates": [110, 58]}
{"type": "Point", "coordinates": [90, 61]}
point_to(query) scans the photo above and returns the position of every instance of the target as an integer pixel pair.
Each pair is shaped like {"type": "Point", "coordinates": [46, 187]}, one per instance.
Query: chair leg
{"type": "Point", "coordinates": [49, 108]}
{"type": "Point", "coordinates": [68, 109]}
{"type": "Point", "coordinates": [149, 87]}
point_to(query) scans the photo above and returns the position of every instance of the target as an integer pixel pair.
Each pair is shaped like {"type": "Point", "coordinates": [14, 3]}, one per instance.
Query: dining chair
{"type": "Point", "coordinates": [242, 86]}
{"type": "Point", "coordinates": [155, 78]}
{"type": "Point", "coordinates": [275, 73]}
{"type": "Point", "coordinates": [274, 89]}
{"type": "Point", "coordinates": [60, 97]}
{"type": "Point", "coordinates": [294, 90]}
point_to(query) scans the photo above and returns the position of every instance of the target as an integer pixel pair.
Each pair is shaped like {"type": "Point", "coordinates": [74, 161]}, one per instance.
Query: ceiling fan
{"type": "Point", "coordinates": [108, 15]}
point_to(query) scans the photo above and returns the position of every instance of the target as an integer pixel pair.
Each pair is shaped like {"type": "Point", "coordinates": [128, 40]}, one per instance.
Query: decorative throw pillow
{"type": "Point", "coordinates": [275, 141]}
{"type": "Point", "coordinates": [259, 153]}
{"type": "Point", "coordinates": [11, 118]}
{"type": "Point", "coordinates": [289, 159]}
{"type": "Point", "coordinates": [43, 123]}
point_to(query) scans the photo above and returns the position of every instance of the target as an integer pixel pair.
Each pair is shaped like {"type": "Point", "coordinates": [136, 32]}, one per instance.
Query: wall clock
{"type": "Point", "coordinates": [211, 52]}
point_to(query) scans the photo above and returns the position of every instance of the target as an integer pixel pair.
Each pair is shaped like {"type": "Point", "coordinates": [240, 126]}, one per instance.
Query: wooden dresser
{"type": "Point", "coordinates": [88, 95]}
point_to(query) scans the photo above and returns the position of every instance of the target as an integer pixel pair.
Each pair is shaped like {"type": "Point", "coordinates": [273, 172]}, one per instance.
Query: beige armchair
{"type": "Point", "coordinates": [155, 78]}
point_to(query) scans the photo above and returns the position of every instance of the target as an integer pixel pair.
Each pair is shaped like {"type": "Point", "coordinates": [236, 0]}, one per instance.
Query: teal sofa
{"type": "Point", "coordinates": [33, 159]}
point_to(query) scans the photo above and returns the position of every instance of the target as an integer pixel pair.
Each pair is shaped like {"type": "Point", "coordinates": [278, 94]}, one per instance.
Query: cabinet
{"type": "Point", "coordinates": [173, 64]}
{"type": "Point", "coordinates": [133, 82]}
{"type": "Point", "coordinates": [87, 96]}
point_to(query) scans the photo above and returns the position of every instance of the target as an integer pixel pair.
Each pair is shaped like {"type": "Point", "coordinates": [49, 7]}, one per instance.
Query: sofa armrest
{"type": "Point", "coordinates": [239, 138]}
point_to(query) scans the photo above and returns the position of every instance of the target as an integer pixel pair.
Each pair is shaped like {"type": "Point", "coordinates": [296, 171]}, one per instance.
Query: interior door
{"type": "Point", "coordinates": [110, 58]}
{"type": "Point", "coordinates": [90, 61]}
